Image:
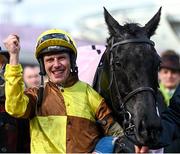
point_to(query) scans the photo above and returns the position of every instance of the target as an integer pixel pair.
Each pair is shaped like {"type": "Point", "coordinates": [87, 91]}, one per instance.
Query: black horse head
{"type": "Point", "coordinates": [128, 78]}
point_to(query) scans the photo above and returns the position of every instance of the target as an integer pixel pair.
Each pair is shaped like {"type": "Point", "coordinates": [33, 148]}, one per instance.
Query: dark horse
{"type": "Point", "coordinates": [127, 77]}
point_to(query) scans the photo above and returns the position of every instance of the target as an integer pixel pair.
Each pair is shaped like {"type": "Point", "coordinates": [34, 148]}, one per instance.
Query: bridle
{"type": "Point", "coordinates": [128, 125]}
{"type": "Point", "coordinates": [144, 40]}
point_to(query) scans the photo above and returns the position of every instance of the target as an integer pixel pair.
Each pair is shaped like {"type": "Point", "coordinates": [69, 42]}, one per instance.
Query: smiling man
{"type": "Point", "coordinates": [64, 112]}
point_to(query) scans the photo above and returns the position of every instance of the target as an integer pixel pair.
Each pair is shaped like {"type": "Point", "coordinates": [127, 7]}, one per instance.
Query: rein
{"type": "Point", "coordinates": [128, 126]}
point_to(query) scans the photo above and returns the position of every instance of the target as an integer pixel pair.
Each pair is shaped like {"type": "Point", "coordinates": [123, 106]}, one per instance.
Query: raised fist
{"type": "Point", "coordinates": [12, 44]}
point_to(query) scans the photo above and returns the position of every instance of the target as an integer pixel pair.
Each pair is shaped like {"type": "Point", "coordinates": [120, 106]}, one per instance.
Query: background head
{"type": "Point", "coordinates": [170, 60]}
{"type": "Point", "coordinates": [169, 72]}
{"type": "Point", "coordinates": [31, 76]}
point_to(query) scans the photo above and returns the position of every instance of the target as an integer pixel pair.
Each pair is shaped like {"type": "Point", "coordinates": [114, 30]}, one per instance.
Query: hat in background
{"type": "Point", "coordinates": [4, 53]}
{"type": "Point", "coordinates": [170, 60]}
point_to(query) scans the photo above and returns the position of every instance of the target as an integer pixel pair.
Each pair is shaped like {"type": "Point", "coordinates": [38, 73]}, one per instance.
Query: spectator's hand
{"type": "Point", "coordinates": [141, 149]}
{"type": "Point", "coordinates": [12, 44]}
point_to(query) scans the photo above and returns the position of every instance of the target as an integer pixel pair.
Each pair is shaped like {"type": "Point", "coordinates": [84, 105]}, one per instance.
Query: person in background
{"type": "Point", "coordinates": [13, 131]}
{"type": "Point", "coordinates": [31, 76]}
{"type": "Point", "coordinates": [169, 78]}
{"type": "Point", "coordinates": [169, 74]}
{"type": "Point", "coordinates": [66, 115]}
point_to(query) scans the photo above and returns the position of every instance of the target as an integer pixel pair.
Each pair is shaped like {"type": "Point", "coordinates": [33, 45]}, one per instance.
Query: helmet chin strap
{"type": "Point", "coordinates": [41, 88]}
{"type": "Point", "coordinates": [74, 68]}
{"type": "Point", "coordinates": [41, 65]}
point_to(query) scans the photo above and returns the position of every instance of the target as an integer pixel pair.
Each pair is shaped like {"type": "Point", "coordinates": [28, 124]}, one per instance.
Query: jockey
{"type": "Point", "coordinates": [66, 115]}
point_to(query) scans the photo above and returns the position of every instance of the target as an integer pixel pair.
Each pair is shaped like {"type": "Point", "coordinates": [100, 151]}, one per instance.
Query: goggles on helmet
{"type": "Point", "coordinates": [55, 36]}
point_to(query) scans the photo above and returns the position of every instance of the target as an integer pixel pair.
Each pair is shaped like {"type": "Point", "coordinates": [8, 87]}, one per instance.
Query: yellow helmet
{"type": "Point", "coordinates": [54, 38]}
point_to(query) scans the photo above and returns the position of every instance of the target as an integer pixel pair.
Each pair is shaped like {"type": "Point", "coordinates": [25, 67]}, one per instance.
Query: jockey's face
{"type": "Point", "coordinates": [57, 67]}
{"type": "Point", "coordinates": [169, 78]}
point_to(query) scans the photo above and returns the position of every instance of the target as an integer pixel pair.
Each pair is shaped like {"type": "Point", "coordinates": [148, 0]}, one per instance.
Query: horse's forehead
{"type": "Point", "coordinates": [131, 31]}
{"type": "Point", "coordinates": [132, 50]}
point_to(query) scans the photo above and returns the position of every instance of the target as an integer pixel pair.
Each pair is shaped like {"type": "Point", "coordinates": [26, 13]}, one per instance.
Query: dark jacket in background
{"type": "Point", "coordinates": [171, 123]}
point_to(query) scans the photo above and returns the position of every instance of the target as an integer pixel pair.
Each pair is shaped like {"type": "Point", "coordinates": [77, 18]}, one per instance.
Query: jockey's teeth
{"type": "Point", "coordinates": [58, 72]}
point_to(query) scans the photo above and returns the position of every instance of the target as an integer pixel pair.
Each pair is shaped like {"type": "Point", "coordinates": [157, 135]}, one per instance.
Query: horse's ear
{"type": "Point", "coordinates": [113, 26]}
{"type": "Point", "coordinates": [152, 25]}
